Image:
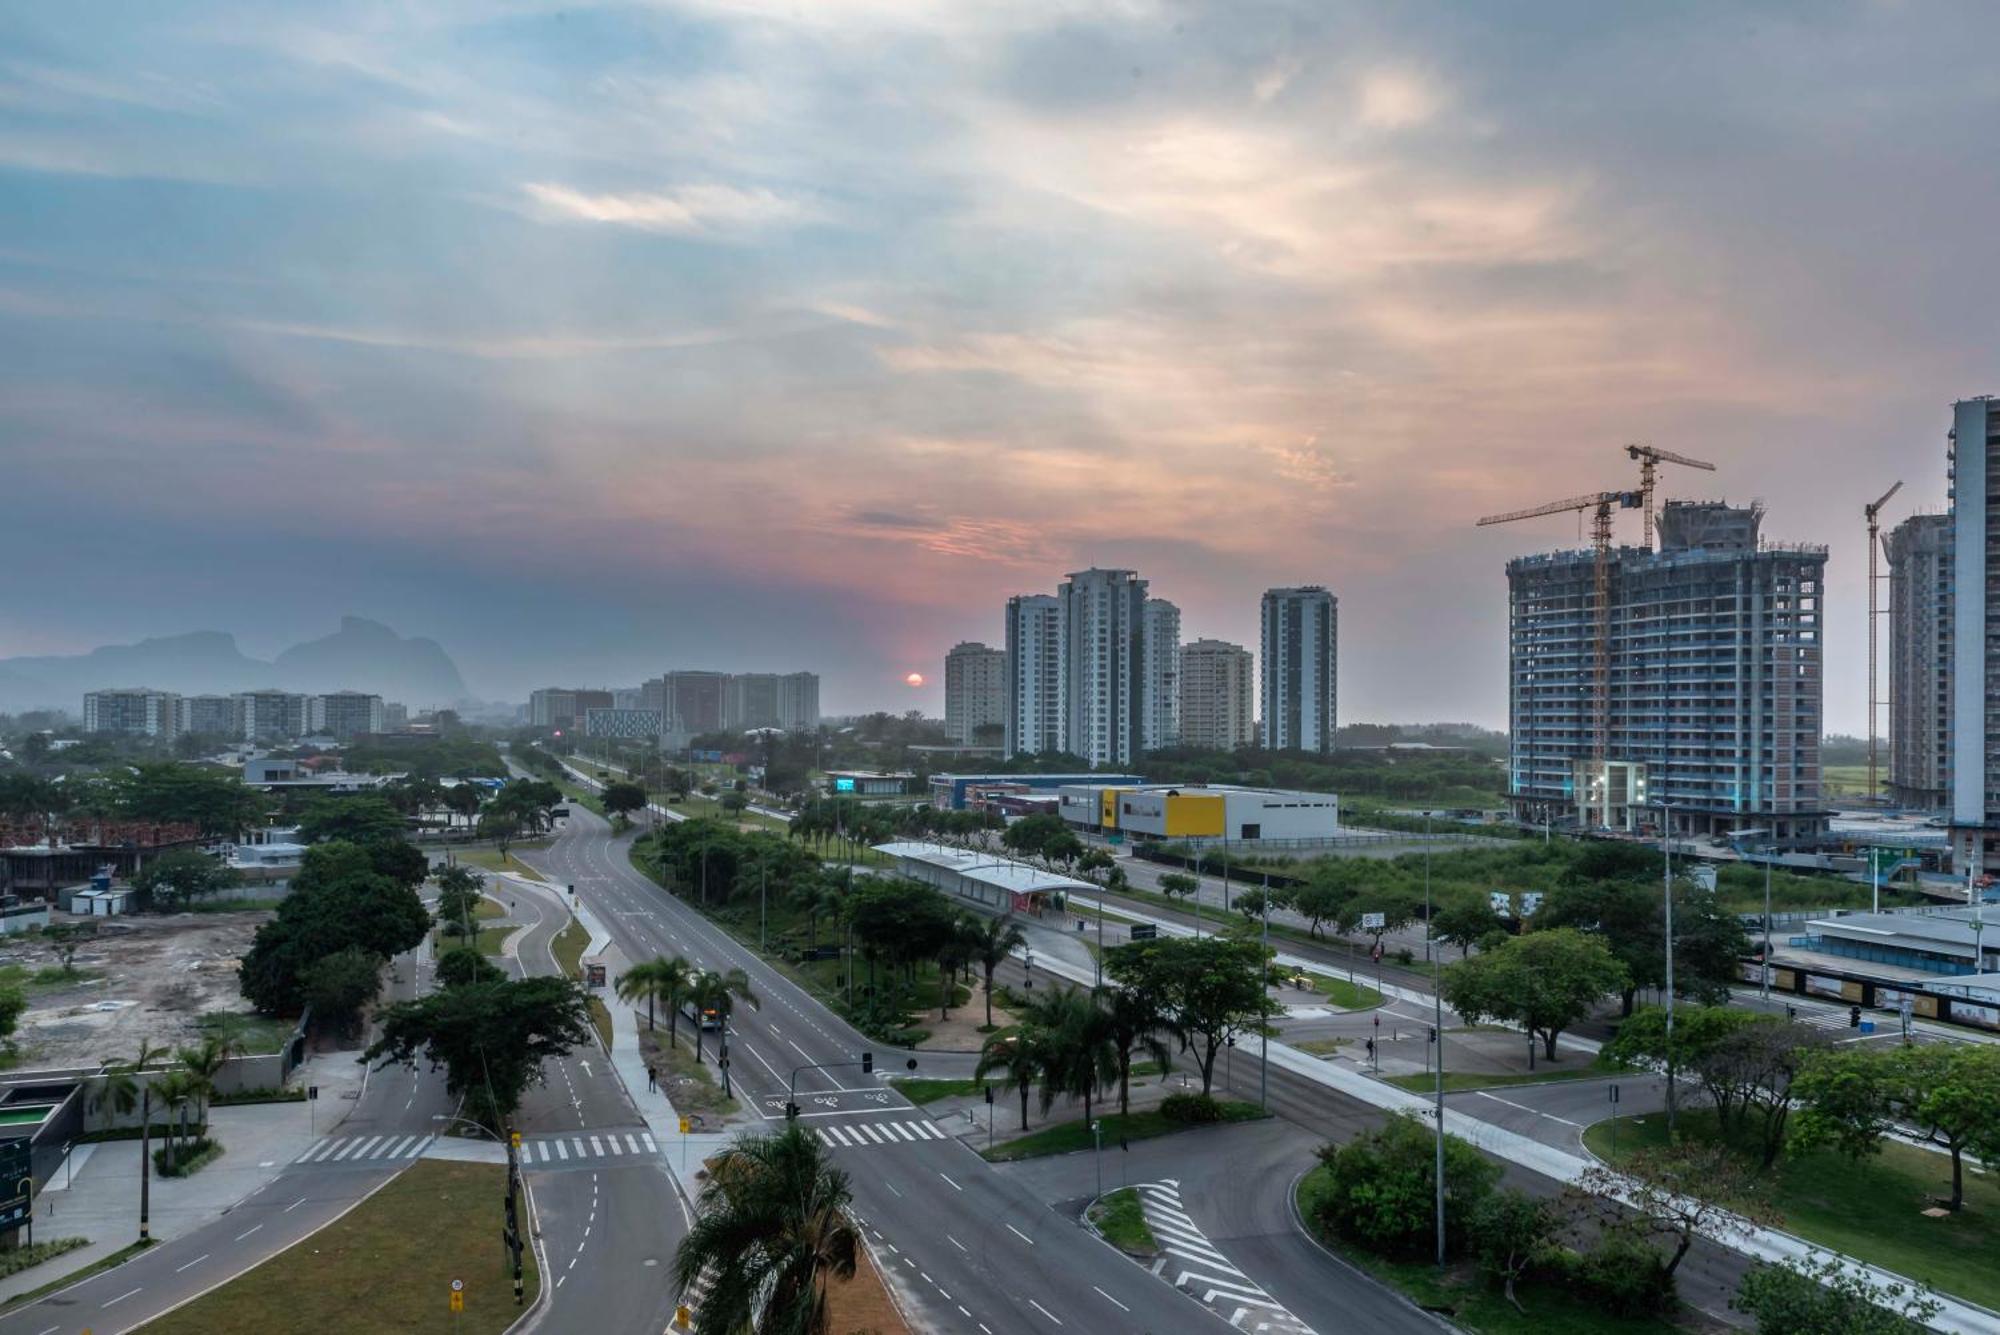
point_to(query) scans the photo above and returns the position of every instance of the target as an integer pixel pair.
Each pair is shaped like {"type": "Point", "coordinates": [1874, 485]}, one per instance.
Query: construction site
{"type": "Point", "coordinates": [1677, 682]}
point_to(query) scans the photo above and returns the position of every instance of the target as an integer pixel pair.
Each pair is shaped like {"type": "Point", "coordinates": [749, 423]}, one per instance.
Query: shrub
{"type": "Point", "coordinates": [1194, 1109]}
{"type": "Point", "coordinates": [1821, 1294]}
{"type": "Point", "coordinates": [186, 1158]}
{"type": "Point", "coordinates": [1623, 1274]}
{"type": "Point", "coordinates": [1382, 1187]}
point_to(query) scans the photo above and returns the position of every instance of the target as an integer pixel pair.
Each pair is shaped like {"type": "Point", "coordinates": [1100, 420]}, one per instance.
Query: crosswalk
{"type": "Point", "coordinates": [867, 1135]}
{"type": "Point", "coordinates": [588, 1145]}
{"type": "Point", "coordinates": [355, 1149]}
{"type": "Point", "coordinates": [1192, 1263]}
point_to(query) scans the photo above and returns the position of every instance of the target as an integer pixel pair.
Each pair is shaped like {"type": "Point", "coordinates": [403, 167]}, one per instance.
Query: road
{"type": "Point", "coordinates": [388, 1127]}
{"type": "Point", "coordinates": [972, 1249]}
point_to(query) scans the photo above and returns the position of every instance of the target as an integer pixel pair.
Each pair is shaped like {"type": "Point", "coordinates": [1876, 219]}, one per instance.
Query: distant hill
{"type": "Point", "coordinates": [362, 655]}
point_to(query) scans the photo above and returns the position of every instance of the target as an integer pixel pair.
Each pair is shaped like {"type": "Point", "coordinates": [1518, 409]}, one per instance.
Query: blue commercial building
{"type": "Point", "coordinates": [948, 790]}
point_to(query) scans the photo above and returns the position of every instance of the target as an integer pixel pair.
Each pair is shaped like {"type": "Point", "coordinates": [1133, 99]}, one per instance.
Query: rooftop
{"type": "Point", "coordinates": [1003, 873]}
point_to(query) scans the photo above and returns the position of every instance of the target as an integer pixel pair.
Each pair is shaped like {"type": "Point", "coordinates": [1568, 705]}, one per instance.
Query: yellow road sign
{"type": "Point", "coordinates": [516, 1137]}
{"type": "Point", "coordinates": [682, 1318]}
{"type": "Point", "coordinates": [457, 1301]}
{"type": "Point", "coordinates": [684, 1126]}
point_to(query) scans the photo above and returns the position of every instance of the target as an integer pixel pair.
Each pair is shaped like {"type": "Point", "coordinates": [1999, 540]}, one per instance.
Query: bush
{"type": "Point", "coordinates": [1623, 1274]}
{"type": "Point", "coordinates": [188, 1158]}
{"type": "Point", "coordinates": [20, 1258]}
{"type": "Point", "coordinates": [1194, 1109]}
{"type": "Point", "coordinates": [1821, 1294]}
{"type": "Point", "coordinates": [1382, 1188]}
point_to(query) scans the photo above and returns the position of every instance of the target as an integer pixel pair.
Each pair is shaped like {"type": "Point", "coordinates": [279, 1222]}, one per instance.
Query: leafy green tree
{"type": "Point", "coordinates": [355, 820]}
{"type": "Point", "coordinates": [464, 800]}
{"type": "Point", "coordinates": [13, 1004]}
{"type": "Point", "coordinates": [1698, 1032]}
{"type": "Point", "coordinates": [1078, 1056]}
{"type": "Point", "coordinates": [1175, 884]}
{"type": "Point", "coordinates": [176, 879]}
{"type": "Point", "coordinates": [771, 1230]}
{"type": "Point", "coordinates": [732, 802]}
{"type": "Point", "coordinates": [461, 965]}
{"type": "Point", "coordinates": [1684, 1191]}
{"type": "Point", "coordinates": [1949, 1091]}
{"type": "Point", "coordinates": [621, 798]}
{"type": "Point", "coordinates": [1018, 1059]}
{"type": "Point", "coordinates": [502, 827]}
{"type": "Point", "coordinates": [491, 1038]}
{"type": "Point", "coordinates": [1382, 1187]}
{"type": "Point", "coordinates": [1209, 989]}
{"type": "Point", "coordinates": [1133, 1025]}
{"type": "Point", "coordinates": [460, 888]}
{"type": "Point", "coordinates": [214, 802]}
{"type": "Point", "coordinates": [1544, 981]}
{"type": "Point", "coordinates": [1321, 900]}
{"type": "Point", "coordinates": [338, 987]}
{"type": "Point", "coordinates": [1397, 908]}
{"type": "Point", "coordinates": [719, 991]}
{"type": "Point", "coordinates": [1830, 1297]}
{"type": "Point", "coordinates": [1030, 834]}
{"type": "Point", "coordinates": [1509, 1231]}
{"type": "Point", "coordinates": [658, 980]}
{"type": "Point", "coordinates": [1466, 922]}
{"type": "Point", "coordinates": [337, 900]}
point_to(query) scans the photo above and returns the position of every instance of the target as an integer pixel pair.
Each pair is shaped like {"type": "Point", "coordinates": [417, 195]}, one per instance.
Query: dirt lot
{"type": "Point", "coordinates": [143, 978]}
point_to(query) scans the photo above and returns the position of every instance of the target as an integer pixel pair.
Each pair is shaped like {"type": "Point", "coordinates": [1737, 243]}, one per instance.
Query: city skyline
{"type": "Point", "coordinates": [547, 318]}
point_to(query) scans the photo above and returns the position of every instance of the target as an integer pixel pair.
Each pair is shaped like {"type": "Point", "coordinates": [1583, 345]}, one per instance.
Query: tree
{"type": "Point", "coordinates": [338, 899]}
{"type": "Point", "coordinates": [621, 798]}
{"type": "Point", "coordinates": [338, 987]}
{"type": "Point", "coordinates": [1626, 916]}
{"type": "Point", "coordinates": [994, 939]}
{"type": "Point", "coordinates": [465, 799]}
{"type": "Point", "coordinates": [719, 992]}
{"type": "Point", "coordinates": [1209, 989]}
{"type": "Point", "coordinates": [502, 827]}
{"type": "Point", "coordinates": [1382, 1187]}
{"type": "Point", "coordinates": [214, 802]}
{"type": "Point", "coordinates": [771, 1230]}
{"type": "Point", "coordinates": [1320, 900]}
{"type": "Point", "coordinates": [1544, 981]}
{"type": "Point", "coordinates": [1466, 922]}
{"type": "Point", "coordinates": [1680, 1190]}
{"type": "Point", "coordinates": [356, 820]}
{"type": "Point", "coordinates": [460, 888]}
{"type": "Point", "coordinates": [490, 1038]}
{"type": "Point", "coordinates": [13, 1004]}
{"type": "Point", "coordinates": [1017, 1057]}
{"type": "Point", "coordinates": [1174, 884]}
{"type": "Point", "coordinates": [1133, 1025]}
{"type": "Point", "coordinates": [202, 1064]}
{"type": "Point", "coordinates": [733, 802]}
{"type": "Point", "coordinates": [1078, 1058]}
{"type": "Point", "coordinates": [1950, 1092]}
{"type": "Point", "coordinates": [1699, 1032]}
{"type": "Point", "coordinates": [1030, 834]}
{"type": "Point", "coordinates": [1508, 1231]}
{"type": "Point", "coordinates": [127, 1086]}
{"type": "Point", "coordinates": [1760, 1062]}
{"type": "Point", "coordinates": [174, 880]}
{"type": "Point", "coordinates": [462, 964]}
{"type": "Point", "coordinates": [1828, 1297]}
{"type": "Point", "coordinates": [658, 980]}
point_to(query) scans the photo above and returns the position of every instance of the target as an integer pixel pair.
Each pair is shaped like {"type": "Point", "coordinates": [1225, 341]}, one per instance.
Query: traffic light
{"type": "Point", "coordinates": [791, 1112]}
{"type": "Point", "coordinates": [867, 1063]}
{"type": "Point", "coordinates": [1434, 1034]}
{"type": "Point", "coordinates": [1853, 1017]}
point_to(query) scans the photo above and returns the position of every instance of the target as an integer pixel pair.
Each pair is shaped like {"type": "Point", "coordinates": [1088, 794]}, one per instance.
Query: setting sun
{"type": "Point", "coordinates": [914, 679]}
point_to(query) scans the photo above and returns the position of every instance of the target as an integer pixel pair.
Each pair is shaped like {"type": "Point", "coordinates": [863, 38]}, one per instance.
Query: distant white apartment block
{"type": "Point", "coordinates": [209, 716]}
{"type": "Point", "coordinates": [975, 690]}
{"type": "Point", "coordinates": [1218, 689]}
{"type": "Point", "coordinates": [1104, 669]}
{"type": "Point", "coordinates": [1301, 641]}
{"type": "Point", "coordinates": [138, 712]}
{"type": "Point", "coordinates": [1035, 675]}
{"type": "Point", "coordinates": [272, 715]}
{"type": "Point", "coordinates": [345, 715]}
{"type": "Point", "coordinates": [1160, 665]}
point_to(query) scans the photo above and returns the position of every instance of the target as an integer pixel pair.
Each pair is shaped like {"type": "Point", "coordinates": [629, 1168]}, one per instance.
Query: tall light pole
{"type": "Point", "coordinates": [1667, 851]}
{"type": "Point", "coordinates": [1437, 1030]}
{"type": "Point", "coordinates": [1264, 1057]}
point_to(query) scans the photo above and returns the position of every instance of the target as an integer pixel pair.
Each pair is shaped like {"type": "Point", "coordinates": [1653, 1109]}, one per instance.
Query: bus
{"type": "Point", "coordinates": [706, 1016]}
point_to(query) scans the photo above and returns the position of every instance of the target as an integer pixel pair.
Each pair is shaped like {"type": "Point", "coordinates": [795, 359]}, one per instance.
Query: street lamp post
{"type": "Point", "coordinates": [1097, 1130]}
{"type": "Point", "coordinates": [1437, 1032]}
{"type": "Point", "coordinates": [1264, 1057]}
{"type": "Point", "coordinates": [1667, 850]}
{"type": "Point", "coordinates": [1770, 856]}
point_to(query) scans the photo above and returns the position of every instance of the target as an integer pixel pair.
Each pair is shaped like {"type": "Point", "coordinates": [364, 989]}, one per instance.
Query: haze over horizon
{"type": "Point", "coordinates": [597, 341]}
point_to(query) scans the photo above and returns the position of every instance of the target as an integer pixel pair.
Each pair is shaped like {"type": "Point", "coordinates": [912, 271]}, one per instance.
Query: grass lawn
{"type": "Point", "coordinates": [568, 948]}
{"type": "Point", "coordinates": [252, 1034]}
{"type": "Point", "coordinates": [1871, 1207]}
{"type": "Point", "coordinates": [387, 1265]}
{"type": "Point", "coordinates": [1123, 1223]}
{"type": "Point", "coordinates": [1423, 1082]}
{"type": "Point", "coordinates": [600, 1016]}
{"type": "Point", "coordinates": [490, 939]}
{"type": "Point", "coordinates": [920, 1091]}
{"type": "Point", "coordinates": [119, 1257]}
{"type": "Point", "coordinates": [1322, 1047]}
{"type": "Point", "coordinates": [1461, 1293]}
{"type": "Point", "coordinates": [1065, 1137]}
{"type": "Point", "coordinates": [690, 1085]}
{"type": "Point", "coordinates": [489, 859]}
{"type": "Point", "coordinates": [1347, 996]}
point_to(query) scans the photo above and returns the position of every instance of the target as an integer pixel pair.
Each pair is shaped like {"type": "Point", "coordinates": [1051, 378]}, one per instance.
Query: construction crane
{"type": "Point", "coordinates": [1874, 513]}
{"type": "Point", "coordinates": [1650, 458]}
{"type": "Point", "coordinates": [1601, 504]}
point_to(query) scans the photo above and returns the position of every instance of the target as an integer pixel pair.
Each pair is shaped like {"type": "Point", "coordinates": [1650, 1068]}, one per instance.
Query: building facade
{"type": "Point", "coordinates": [1104, 664]}
{"type": "Point", "coordinates": [1920, 624]}
{"type": "Point", "coordinates": [345, 715]}
{"type": "Point", "coordinates": [1218, 696]}
{"type": "Point", "coordinates": [1716, 645]}
{"type": "Point", "coordinates": [1301, 649]}
{"type": "Point", "coordinates": [1160, 698]}
{"type": "Point", "coordinates": [1975, 669]}
{"type": "Point", "coordinates": [209, 716]}
{"type": "Point", "coordinates": [1036, 713]}
{"type": "Point", "coordinates": [631, 724]}
{"type": "Point", "coordinates": [138, 712]}
{"type": "Point", "coordinates": [272, 715]}
{"type": "Point", "coordinates": [1200, 812]}
{"type": "Point", "coordinates": [975, 690]}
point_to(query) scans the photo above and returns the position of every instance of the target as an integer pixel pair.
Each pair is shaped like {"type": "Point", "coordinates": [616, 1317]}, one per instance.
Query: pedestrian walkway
{"type": "Point", "coordinates": [1193, 1265]}
{"type": "Point", "coordinates": [589, 1145]}
{"type": "Point", "coordinates": [355, 1149]}
{"type": "Point", "coordinates": [867, 1135]}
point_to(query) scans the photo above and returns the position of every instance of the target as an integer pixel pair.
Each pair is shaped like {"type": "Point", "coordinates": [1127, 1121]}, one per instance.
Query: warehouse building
{"type": "Point", "coordinates": [1186, 811]}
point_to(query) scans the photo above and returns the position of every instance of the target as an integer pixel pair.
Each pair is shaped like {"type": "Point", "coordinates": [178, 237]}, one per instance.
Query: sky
{"type": "Point", "coordinates": [594, 341]}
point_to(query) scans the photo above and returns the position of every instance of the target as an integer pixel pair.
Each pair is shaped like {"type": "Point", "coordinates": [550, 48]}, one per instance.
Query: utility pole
{"type": "Point", "coordinates": [1667, 849]}
{"type": "Point", "coordinates": [1264, 1059]}
{"type": "Point", "coordinates": [1770, 856]}
{"type": "Point", "coordinates": [511, 1234]}
{"type": "Point", "coordinates": [1437, 1033]}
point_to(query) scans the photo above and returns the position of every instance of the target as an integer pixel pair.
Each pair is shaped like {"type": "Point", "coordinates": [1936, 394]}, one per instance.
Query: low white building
{"type": "Point", "coordinates": [1000, 884]}
{"type": "Point", "coordinates": [1202, 813]}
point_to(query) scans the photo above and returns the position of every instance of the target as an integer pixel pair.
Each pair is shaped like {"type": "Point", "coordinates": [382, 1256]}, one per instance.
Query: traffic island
{"type": "Point", "coordinates": [1120, 1221]}
{"type": "Point", "coordinates": [387, 1265]}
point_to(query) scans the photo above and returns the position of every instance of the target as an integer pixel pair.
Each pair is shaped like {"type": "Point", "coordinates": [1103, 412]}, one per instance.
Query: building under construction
{"type": "Point", "coordinates": [1920, 617]}
{"type": "Point", "coordinates": [1711, 654]}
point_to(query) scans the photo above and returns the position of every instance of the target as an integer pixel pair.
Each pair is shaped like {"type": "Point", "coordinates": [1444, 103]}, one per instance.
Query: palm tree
{"type": "Point", "coordinates": [1077, 1059]}
{"type": "Point", "coordinates": [125, 1087]}
{"type": "Point", "coordinates": [771, 1230]}
{"type": "Point", "coordinates": [1018, 1059]}
{"type": "Point", "coordinates": [203, 1065]}
{"type": "Point", "coordinates": [657, 980]}
{"type": "Point", "coordinates": [996, 939]}
{"type": "Point", "coordinates": [176, 1091]}
{"type": "Point", "coordinates": [1133, 1023]}
{"type": "Point", "coordinates": [719, 992]}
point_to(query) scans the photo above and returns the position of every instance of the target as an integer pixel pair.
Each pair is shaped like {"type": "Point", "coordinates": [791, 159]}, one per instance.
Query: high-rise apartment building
{"type": "Point", "coordinates": [1714, 669]}
{"type": "Point", "coordinates": [345, 715]}
{"type": "Point", "coordinates": [694, 702]}
{"type": "Point", "coordinates": [563, 708]}
{"type": "Point", "coordinates": [787, 700]}
{"type": "Point", "coordinates": [1036, 716]}
{"type": "Point", "coordinates": [1920, 616]}
{"type": "Point", "coordinates": [1104, 664]}
{"type": "Point", "coordinates": [1217, 690]}
{"type": "Point", "coordinates": [209, 716]}
{"type": "Point", "coordinates": [1160, 701]}
{"type": "Point", "coordinates": [134, 713]}
{"type": "Point", "coordinates": [975, 691]}
{"type": "Point", "coordinates": [272, 715]}
{"type": "Point", "coordinates": [1975, 666]}
{"type": "Point", "coordinates": [1300, 651]}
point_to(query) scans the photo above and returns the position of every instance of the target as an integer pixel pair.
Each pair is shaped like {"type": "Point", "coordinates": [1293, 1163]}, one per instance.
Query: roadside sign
{"type": "Point", "coordinates": [1531, 900]}
{"type": "Point", "coordinates": [1614, 1093]}
{"type": "Point", "coordinates": [457, 1301]}
{"type": "Point", "coordinates": [1144, 931]}
{"type": "Point", "coordinates": [1374, 922]}
{"type": "Point", "coordinates": [312, 1092]}
{"type": "Point", "coordinates": [1502, 902]}
{"type": "Point", "coordinates": [684, 1126]}
{"type": "Point", "coordinates": [16, 1166]}
{"type": "Point", "coordinates": [514, 1139]}
{"type": "Point", "coordinates": [458, 1286]}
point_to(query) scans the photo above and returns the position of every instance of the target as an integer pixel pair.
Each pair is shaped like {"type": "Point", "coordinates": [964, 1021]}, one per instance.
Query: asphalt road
{"type": "Point", "coordinates": [384, 1132]}
{"type": "Point", "coordinates": [973, 1250]}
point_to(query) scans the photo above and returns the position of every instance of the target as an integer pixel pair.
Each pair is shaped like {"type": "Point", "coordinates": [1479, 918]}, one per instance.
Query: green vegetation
{"type": "Point", "coordinates": [117, 1258]}
{"type": "Point", "coordinates": [1423, 1082]}
{"type": "Point", "coordinates": [1545, 981]}
{"type": "Point", "coordinates": [360, 895]}
{"type": "Point", "coordinates": [23, 1258]}
{"type": "Point", "coordinates": [491, 859]}
{"type": "Point", "coordinates": [1344, 994]}
{"type": "Point", "coordinates": [1122, 1221]}
{"type": "Point", "coordinates": [600, 1019]}
{"type": "Point", "coordinates": [1870, 1207]}
{"type": "Point", "coordinates": [690, 1084]}
{"type": "Point", "coordinates": [186, 1159]}
{"type": "Point", "coordinates": [493, 940]}
{"type": "Point", "coordinates": [387, 1265]}
{"type": "Point", "coordinates": [1068, 1137]}
{"type": "Point", "coordinates": [568, 948]}
{"type": "Point", "coordinates": [250, 1035]}
{"type": "Point", "coordinates": [1322, 1047]}
{"type": "Point", "coordinates": [920, 1091]}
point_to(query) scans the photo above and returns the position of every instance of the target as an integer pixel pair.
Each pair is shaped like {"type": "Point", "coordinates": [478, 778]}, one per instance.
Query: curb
{"type": "Point", "coordinates": [1299, 1223]}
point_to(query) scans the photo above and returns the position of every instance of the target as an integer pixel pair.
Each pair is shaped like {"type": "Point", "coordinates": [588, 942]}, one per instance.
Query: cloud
{"type": "Point", "coordinates": [1394, 99]}
{"type": "Point", "coordinates": [703, 210]}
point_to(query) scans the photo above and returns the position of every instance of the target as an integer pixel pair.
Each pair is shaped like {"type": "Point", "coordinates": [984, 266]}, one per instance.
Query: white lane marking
{"type": "Point", "coordinates": [956, 1243]}
{"type": "Point", "coordinates": [577, 1143]}
{"type": "Point", "coordinates": [122, 1297]}
{"type": "Point", "coordinates": [651, 1148]}
{"type": "Point", "coordinates": [904, 1131]}
{"type": "Point", "coordinates": [562, 1150]}
{"type": "Point", "coordinates": [293, 1206]}
{"type": "Point", "coordinates": [1526, 1109]}
{"type": "Point", "coordinates": [633, 1141]}
{"type": "Point", "coordinates": [248, 1231]}
{"type": "Point", "coordinates": [1044, 1311]}
{"type": "Point", "coordinates": [1109, 1299]}
{"type": "Point", "coordinates": [189, 1266]}
{"type": "Point", "coordinates": [596, 1146]}
{"type": "Point", "coordinates": [954, 1185]}
{"type": "Point", "coordinates": [1022, 1236]}
{"type": "Point", "coordinates": [367, 1151]}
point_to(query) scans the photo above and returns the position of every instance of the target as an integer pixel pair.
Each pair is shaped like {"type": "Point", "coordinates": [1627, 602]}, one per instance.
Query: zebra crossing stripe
{"type": "Point", "coordinates": [632, 1141]}
{"type": "Point", "coordinates": [596, 1146]}
{"type": "Point", "coordinates": [562, 1150]}
{"type": "Point", "coordinates": [651, 1148]}
{"type": "Point", "coordinates": [576, 1142]}
{"type": "Point", "coordinates": [901, 1130]}
{"type": "Point", "coordinates": [351, 1148]}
